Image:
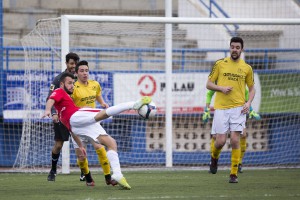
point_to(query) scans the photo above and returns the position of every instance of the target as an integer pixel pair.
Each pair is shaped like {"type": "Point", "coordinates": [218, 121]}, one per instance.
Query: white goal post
{"type": "Point", "coordinates": [199, 54]}
{"type": "Point", "coordinates": [164, 20]}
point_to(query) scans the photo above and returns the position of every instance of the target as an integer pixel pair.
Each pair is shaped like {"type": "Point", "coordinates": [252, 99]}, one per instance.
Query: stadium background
{"type": "Point", "coordinates": [19, 17]}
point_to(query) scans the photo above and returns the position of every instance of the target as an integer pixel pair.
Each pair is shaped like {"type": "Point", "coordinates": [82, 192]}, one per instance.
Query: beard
{"type": "Point", "coordinates": [235, 56]}
{"type": "Point", "coordinates": [68, 91]}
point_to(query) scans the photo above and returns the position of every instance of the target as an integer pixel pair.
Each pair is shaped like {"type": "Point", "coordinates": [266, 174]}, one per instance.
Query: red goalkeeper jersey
{"type": "Point", "coordinates": [64, 105]}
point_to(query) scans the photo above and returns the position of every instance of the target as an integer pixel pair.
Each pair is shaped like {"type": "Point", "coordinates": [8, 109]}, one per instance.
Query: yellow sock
{"type": "Point", "coordinates": [84, 166]}
{"type": "Point", "coordinates": [243, 146]}
{"type": "Point", "coordinates": [212, 143]}
{"type": "Point", "coordinates": [215, 153]}
{"type": "Point", "coordinates": [104, 162]}
{"type": "Point", "coordinates": [235, 157]}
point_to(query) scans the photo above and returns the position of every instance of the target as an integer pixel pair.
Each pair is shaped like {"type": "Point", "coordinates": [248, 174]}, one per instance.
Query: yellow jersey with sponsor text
{"type": "Point", "coordinates": [85, 95]}
{"type": "Point", "coordinates": [238, 74]}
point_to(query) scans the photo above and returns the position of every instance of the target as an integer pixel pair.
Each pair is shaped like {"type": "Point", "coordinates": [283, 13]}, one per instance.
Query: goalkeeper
{"type": "Point", "coordinates": [243, 144]}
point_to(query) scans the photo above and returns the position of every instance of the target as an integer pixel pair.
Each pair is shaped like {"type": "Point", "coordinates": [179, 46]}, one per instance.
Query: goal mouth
{"type": "Point", "coordinates": [130, 56]}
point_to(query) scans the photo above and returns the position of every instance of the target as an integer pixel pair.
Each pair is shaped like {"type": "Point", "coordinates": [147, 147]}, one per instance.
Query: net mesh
{"type": "Point", "coordinates": [128, 60]}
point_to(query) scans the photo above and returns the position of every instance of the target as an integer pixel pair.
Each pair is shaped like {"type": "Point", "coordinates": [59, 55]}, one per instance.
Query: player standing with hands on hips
{"type": "Point", "coordinates": [229, 77]}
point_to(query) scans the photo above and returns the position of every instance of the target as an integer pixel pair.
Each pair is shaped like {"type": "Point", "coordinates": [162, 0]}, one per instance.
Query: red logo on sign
{"type": "Point", "coordinates": [147, 85]}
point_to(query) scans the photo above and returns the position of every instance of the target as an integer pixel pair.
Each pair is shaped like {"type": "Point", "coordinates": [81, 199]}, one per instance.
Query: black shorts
{"type": "Point", "coordinates": [61, 133]}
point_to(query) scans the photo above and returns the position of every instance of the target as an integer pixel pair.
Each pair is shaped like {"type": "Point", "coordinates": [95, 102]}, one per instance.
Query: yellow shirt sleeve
{"type": "Point", "coordinates": [213, 76]}
{"type": "Point", "coordinates": [250, 77]}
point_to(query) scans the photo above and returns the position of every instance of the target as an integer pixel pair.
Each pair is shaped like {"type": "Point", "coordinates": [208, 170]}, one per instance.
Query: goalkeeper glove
{"type": "Point", "coordinates": [206, 115]}
{"type": "Point", "coordinates": [254, 114]}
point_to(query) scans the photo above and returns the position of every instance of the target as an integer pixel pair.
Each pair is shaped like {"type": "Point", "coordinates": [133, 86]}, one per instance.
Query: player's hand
{"type": "Point", "coordinates": [206, 115]}
{"type": "Point", "coordinates": [47, 113]}
{"type": "Point", "coordinates": [83, 152]}
{"type": "Point", "coordinates": [254, 115]}
{"type": "Point", "coordinates": [226, 89]}
{"type": "Point", "coordinates": [55, 118]}
{"type": "Point", "coordinates": [246, 108]}
{"type": "Point", "coordinates": [105, 105]}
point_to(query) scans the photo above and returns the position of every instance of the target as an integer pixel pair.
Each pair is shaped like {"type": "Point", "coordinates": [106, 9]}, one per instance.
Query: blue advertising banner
{"type": "Point", "coordinates": [27, 99]}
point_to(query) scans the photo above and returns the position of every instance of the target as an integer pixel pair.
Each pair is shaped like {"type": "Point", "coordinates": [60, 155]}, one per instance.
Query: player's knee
{"type": "Point", "coordinates": [58, 146]}
{"type": "Point", "coordinates": [219, 145]}
{"type": "Point", "coordinates": [97, 146]}
{"type": "Point", "coordinates": [112, 144]}
{"type": "Point", "coordinates": [234, 143]}
{"type": "Point", "coordinates": [81, 157]}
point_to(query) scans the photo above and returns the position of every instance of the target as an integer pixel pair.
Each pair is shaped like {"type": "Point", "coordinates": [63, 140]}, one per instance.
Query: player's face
{"type": "Point", "coordinates": [235, 50]}
{"type": "Point", "coordinates": [83, 74]}
{"type": "Point", "coordinates": [68, 85]}
{"type": "Point", "coordinates": [71, 66]}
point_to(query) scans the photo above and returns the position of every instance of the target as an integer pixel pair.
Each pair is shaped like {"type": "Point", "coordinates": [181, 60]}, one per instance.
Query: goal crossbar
{"type": "Point", "coordinates": [184, 20]}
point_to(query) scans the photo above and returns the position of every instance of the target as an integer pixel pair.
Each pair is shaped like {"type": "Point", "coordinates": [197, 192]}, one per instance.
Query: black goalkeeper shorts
{"type": "Point", "coordinates": [61, 133]}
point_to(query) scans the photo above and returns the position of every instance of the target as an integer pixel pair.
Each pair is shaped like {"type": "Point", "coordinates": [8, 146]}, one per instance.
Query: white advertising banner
{"type": "Point", "coordinates": [188, 89]}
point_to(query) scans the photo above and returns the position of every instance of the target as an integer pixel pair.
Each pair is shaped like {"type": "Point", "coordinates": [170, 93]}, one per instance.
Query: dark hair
{"type": "Point", "coordinates": [72, 56]}
{"type": "Point", "coordinates": [82, 62]}
{"type": "Point", "coordinates": [64, 75]}
{"type": "Point", "coordinates": [237, 39]}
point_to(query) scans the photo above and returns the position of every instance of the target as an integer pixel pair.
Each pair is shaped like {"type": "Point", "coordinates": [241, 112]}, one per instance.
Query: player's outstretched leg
{"type": "Point", "coordinates": [119, 108]}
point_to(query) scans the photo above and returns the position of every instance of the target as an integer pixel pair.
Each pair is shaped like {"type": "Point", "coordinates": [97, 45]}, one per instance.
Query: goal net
{"type": "Point", "coordinates": [128, 59]}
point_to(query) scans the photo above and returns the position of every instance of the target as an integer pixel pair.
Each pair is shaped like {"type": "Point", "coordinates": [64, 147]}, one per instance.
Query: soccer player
{"type": "Point", "coordinates": [86, 93]}
{"type": "Point", "coordinates": [83, 122]}
{"type": "Point", "coordinates": [232, 75]}
{"type": "Point", "coordinates": [243, 143]}
{"type": "Point", "coordinates": [61, 133]}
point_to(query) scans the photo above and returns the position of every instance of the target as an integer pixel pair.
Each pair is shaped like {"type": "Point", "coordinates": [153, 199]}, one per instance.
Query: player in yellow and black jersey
{"type": "Point", "coordinates": [86, 93]}
{"type": "Point", "coordinates": [229, 78]}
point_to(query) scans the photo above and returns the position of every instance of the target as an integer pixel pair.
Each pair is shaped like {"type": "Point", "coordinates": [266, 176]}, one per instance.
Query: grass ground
{"type": "Point", "coordinates": [253, 184]}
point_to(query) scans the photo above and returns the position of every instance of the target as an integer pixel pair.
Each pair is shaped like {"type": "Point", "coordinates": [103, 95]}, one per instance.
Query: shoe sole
{"type": "Point", "coordinates": [90, 184]}
{"type": "Point", "coordinates": [125, 187]}
{"type": "Point", "coordinates": [233, 181]}
{"type": "Point", "coordinates": [113, 183]}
